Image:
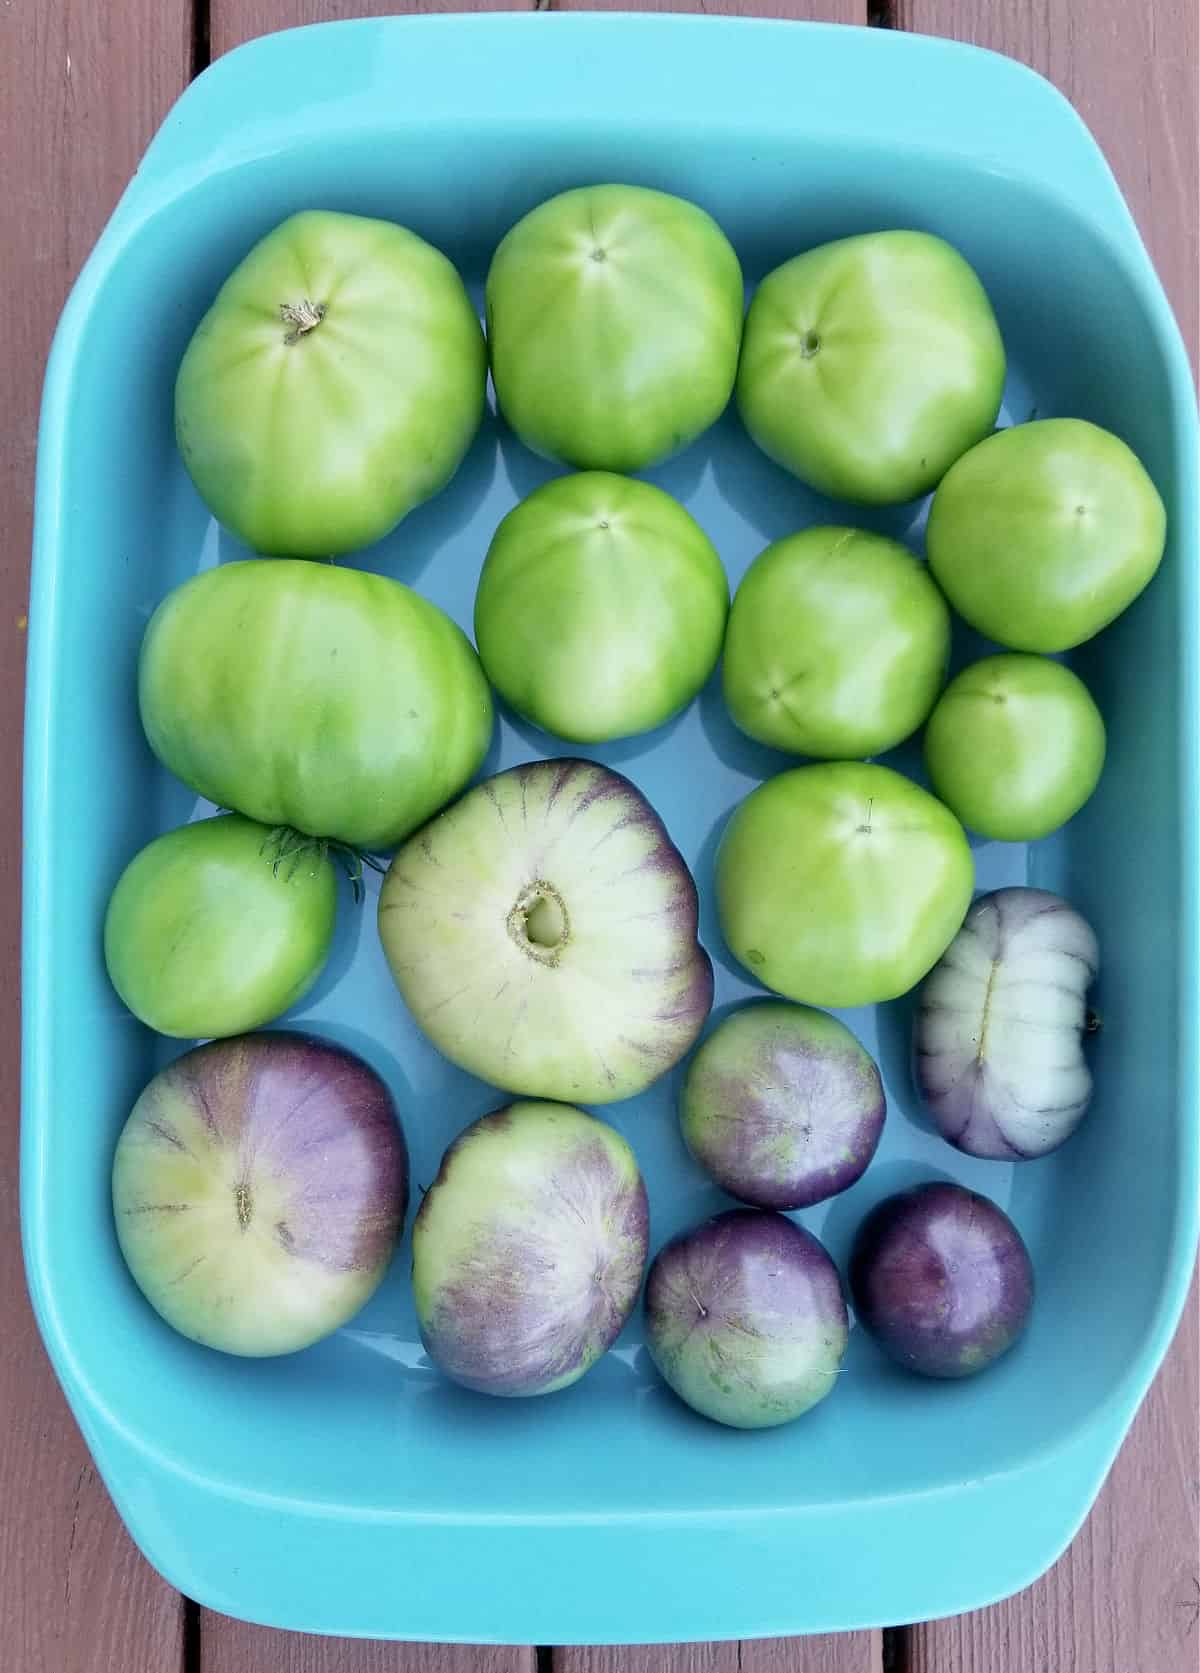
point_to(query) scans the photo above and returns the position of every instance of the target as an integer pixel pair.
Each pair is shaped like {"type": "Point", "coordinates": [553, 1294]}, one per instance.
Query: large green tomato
{"type": "Point", "coordinates": [870, 365]}
{"type": "Point", "coordinates": [335, 383]}
{"type": "Point", "coordinates": [601, 607]}
{"type": "Point", "coordinates": [1015, 746]}
{"type": "Point", "coordinates": [1045, 532]}
{"type": "Point", "coordinates": [837, 644]}
{"type": "Point", "coordinates": [332, 700]}
{"type": "Point", "coordinates": [614, 319]}
{"type": "Point", "coordinates": [219, 926]}
{"type": "Point", "coordinates": [842, 883]}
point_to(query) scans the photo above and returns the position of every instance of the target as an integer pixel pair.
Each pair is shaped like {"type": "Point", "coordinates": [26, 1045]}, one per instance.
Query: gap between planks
{"type": "Point", "coordinates": [82, 89]}
{"type": "Point", "coordinates": [852, 1652]}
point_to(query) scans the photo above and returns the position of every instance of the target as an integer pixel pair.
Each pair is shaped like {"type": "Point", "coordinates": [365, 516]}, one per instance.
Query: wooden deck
{"type": "Point", "coordinates": [83, 85]}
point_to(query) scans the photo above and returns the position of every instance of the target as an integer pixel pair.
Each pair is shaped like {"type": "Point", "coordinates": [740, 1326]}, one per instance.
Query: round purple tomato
{"type": "Point", "coordinates": [941, 1279]}
{"type": "Point", "coordinates": [782, 1105]}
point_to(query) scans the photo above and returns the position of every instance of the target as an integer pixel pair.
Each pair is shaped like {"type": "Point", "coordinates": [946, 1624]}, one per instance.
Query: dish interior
{"type": "Point", "coordinates": [363, 1421]}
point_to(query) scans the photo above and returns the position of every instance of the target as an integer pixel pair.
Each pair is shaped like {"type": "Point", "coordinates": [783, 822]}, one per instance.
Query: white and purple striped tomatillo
{"type": "Point", "coordinates": [259, 1186]}
{"type": "Point", "coordinates": [998, 1038]}
{"type": "Point", "coordinates": [529, 1249]}
{"type": "Point", "coordinates": [542, 932]}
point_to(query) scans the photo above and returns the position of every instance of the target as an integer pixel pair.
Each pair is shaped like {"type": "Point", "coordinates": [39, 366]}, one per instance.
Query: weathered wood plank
{"type": "Point", "coordinates": [1126, 1597]}
{"type": "Point", "coordinates": [231, 1647]}
{"type": "Point", "coordinates": [851, 1652]}
{"type": "Point", "coordinates": [817, 11]}
{"type": "Point", "coordinates": [233, 21]}
{"type": "Point", "coordinates": [82, 88]}
{"type": "Point", "coordinates": [1130, 71]}
{"type": "Point", "coordinates": [1127, 1594]}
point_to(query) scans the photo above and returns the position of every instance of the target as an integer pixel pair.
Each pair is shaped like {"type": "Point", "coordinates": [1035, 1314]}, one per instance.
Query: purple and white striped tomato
{"type": "Point", "coordinates": [941, 1279]}
{"type": "Point", "coordinates": [259, 1186]}
{"type": "Point", "coordinates": [542, 932]}
{"type": "Point", "coordinates": [782, 1105]}
{"type": "Point", "coordinates": [999, 1030]}
{"type": "Point", "coordinates": [528, 1249]}
{"type": "Point", "coordinates": [745, 1318]}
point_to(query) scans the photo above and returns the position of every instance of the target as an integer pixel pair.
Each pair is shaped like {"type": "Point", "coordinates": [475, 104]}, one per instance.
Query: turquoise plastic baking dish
{"type": "Point", "coordinates": [349, 1489]}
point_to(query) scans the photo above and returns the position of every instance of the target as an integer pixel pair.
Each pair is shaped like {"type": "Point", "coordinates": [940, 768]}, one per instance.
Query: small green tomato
{"type": "Point", "coordinates": [837, 644]}
{"type": "Point", "coordinates": [219, 926]}
{"type": "Point", "coordinates": [601, 607]}
{"type": "Point", "coordinates": [1015, 746]}
{"type": "Point", "coordinates": [1044, 533]}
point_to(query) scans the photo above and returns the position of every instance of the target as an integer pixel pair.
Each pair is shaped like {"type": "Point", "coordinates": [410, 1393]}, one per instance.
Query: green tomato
{"type": "Point", "coordinates": [1044, 533]}
{"type": "Point", "coordinates": [869, 365]}
{"type": "Point", "coordinates": [601, 607]}
{"type": "Point", "coordinates": [332, 700]}
{"type": "Point", "coordinates": [1015, 746]}
{"type": "Point", "coordinates": [219, 926]}
{"type": "Point", "coordinates": [842, 883]}
{"type": "Point", "coordinates": [837, 644]}
{"type": "Point", "coordinates": [614, 320]}
{"type": "Point", "coordinates": [335, 383]}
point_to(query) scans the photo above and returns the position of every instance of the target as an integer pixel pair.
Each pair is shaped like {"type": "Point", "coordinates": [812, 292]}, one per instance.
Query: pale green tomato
{"type": "Point", "coordinates": [335, 383]}
{"type": "Point", "coordinates": [869, 365]}
{"type": "Point", "coordinates": [601, 607]}
{"type": "Point", "coordinates": [842, 883]}
{"type": "Point", "coordinates": [219, 926]}
{"type": "Point", "coordinates": [1045, 532]}
{"type": "Point", "coordinates": [837, 644]}
{"type": "Point", "coordinates": [1015, 746]}
{"type": "Point", "coordinates": [614, 320]}
{"type": "Point", "coordinates": [333, 700]}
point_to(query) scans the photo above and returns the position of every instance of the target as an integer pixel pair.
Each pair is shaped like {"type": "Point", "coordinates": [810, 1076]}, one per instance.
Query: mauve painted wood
{"type": "Point", "coordinates": [228, 1646]}
{"type": "Point", "coordinates": [845, 1652]}
{"type": "Point", "coordinates": [82, 88]}
{"type": "Point", "coordinates": [75, 1597]}
{"type": "Point", "coordinates": [233, 21]}
{"type": "Point", "coordinates": [824, 11]}
{"type": "Point", "coordinates": [1126, 1597]}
